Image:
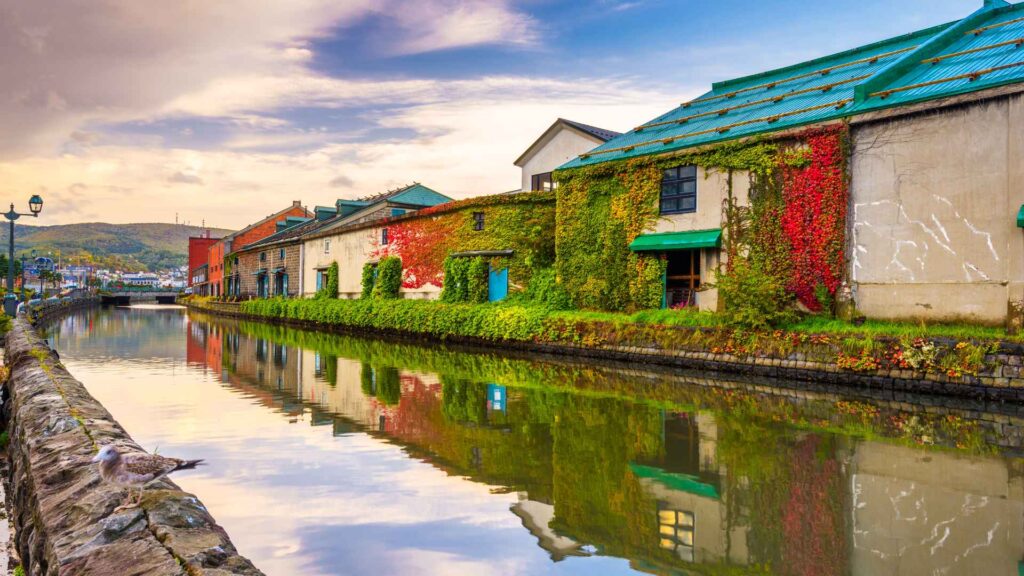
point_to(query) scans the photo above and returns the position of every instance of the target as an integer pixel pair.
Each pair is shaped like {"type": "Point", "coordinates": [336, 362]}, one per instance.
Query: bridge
{"type": "Point", "coordinates": [124, 297]}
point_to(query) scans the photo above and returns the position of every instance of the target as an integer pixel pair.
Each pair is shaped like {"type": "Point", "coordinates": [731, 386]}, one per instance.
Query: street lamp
{"type": "Point", "coordinates": [35, 206]}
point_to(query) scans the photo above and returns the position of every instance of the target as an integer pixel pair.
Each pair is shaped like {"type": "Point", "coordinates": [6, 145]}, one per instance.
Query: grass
{"type": "Point", "coordinates": [884, 328]}
{"type": "Point", "coordinates": [690, 318]}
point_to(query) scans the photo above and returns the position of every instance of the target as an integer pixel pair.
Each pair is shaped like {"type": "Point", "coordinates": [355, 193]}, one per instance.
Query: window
{"type": "Point", "coordinates": [478, 221]}
{"type": "Point", "coordinates": [384, 236]}
{"type": "Point", "coordinates": [263, 256]}
{"type": "Point", "coordinates": [542, 182]}
{"type": "Point", "coordinates": [676, 528]}
{"type": "Point", "coordinates": [679, 190]}
{"type": "Point", "coordinates": [327, 246]}
{"type": "Point", "coordinates": [281, 254]}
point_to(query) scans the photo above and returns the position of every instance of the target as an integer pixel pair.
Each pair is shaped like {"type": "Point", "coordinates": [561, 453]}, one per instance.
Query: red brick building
{"type": "Point", "coordinates": [198, 256]}
{"type": "Point", "coordinates": [233, 242]}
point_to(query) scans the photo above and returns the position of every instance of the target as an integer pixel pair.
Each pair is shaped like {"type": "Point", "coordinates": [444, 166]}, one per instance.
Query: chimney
{"type": "Point", "coordinates": [297, 203]}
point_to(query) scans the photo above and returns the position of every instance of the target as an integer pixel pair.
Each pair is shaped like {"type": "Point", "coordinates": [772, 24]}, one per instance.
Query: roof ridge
{"type": "Point", "coordinates": [894, 70]}
{"type": "Point", "coordinates": [930, 31]}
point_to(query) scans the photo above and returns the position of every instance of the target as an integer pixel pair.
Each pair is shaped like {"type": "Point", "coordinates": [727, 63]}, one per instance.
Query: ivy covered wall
{"type": "Point", "coordinates": [791, 227]}
{"type": "Point", "coordinates": [523, 223]}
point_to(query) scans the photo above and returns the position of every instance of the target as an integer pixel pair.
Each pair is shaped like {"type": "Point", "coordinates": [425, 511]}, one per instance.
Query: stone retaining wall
{"type": "Point", "coordinates": [63, 515]}
{"type": "Point", "coordinates": [1003, 382]}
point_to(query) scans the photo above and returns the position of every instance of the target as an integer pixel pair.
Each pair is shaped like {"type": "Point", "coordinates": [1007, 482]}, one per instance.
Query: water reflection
{"type": "Point", "coordinates": [337, 455]}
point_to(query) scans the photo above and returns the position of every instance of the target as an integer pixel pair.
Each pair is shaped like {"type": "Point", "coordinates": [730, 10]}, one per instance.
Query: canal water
{"type": "Point", "coordinates": [337, 455]}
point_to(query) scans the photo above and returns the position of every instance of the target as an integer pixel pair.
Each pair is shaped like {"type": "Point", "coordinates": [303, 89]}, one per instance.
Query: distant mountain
{"type": "Point", "coordinates": [126, 246]}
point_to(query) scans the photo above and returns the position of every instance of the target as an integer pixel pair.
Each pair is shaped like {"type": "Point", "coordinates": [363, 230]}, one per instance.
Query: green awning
{"type": "Point", "coordinates": [677, 241]}
{"type": "Point", "coordinates": [1020, 217]}
{"type": "Point", "coordinates": [682, 482]}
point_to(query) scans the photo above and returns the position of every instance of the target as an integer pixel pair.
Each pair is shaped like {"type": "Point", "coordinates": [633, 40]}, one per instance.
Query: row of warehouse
{"type": "Point", "coordinates": [892, 177]}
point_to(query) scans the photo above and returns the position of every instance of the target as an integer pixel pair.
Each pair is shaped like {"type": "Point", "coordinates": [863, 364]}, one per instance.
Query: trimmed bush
{"type": "Point", "coordinates": [456, 288]}
{"type": "Point", "coordinates": [389, 278]}
{"type": "Point", "coordinates": [476, 280]}
{"type": "Point", "coordinates": [368, 280]}
{"type": "Point", "coordinates": [330, 287]}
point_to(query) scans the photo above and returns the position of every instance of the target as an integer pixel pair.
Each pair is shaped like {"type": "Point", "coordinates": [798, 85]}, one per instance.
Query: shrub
{"type": "Point", "coordinates": [544, 290]}
{"type": "Point", "coordinates": [389, 278]}
{"type": "Point", "coordinates": [368, 280]}
{"type": "Point", "coordinates": [454, 288]}
{"type": "Point", "coordinates": [754, 298]}
{"type": "Point", "coordinates": [476, 280]}
{"type": "Point", "coordinates": [330, 287]}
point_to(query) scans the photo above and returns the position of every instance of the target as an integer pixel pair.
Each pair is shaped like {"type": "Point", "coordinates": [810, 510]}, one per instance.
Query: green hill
{"type": "Point", "coordinates": [125, 246]}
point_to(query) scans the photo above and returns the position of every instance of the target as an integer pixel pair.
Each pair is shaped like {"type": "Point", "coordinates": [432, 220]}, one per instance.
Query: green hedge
{"type": "Point", "coordinates": [495, 322]}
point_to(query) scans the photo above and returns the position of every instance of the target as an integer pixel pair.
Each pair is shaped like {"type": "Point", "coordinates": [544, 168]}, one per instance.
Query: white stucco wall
{"type": "Point", "coordinates": [934, 200]}
{"type": "Point", "coordinates": [712, 190]}
{"type": "Point", "coordinates": [351, 250]}
{"type": "Point", "coordinates": [565, 145]}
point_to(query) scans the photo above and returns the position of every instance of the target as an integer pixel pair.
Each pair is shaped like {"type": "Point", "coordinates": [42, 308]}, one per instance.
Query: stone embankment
{"type": "Point", "coordinates": [64, 516]}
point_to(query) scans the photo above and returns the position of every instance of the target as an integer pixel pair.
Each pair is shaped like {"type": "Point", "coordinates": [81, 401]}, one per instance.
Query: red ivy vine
{"type": "Point", "coordinates": [814, 193]}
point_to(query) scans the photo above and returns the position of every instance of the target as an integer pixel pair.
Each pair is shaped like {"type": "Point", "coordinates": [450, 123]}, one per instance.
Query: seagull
{"type": "Point", "coordinates": [136, 470]}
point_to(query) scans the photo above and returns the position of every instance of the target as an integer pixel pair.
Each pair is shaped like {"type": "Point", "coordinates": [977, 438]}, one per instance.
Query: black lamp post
{"type": "Point", "coordinates": [35, 206]}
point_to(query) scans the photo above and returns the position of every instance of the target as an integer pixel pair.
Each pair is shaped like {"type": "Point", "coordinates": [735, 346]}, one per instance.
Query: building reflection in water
{"type": "Point", "coordinates": [703, 480]}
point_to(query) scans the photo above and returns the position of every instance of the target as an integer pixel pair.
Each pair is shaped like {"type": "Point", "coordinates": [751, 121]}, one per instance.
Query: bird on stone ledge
{"type": "Point", "coordinates": [136, 470]}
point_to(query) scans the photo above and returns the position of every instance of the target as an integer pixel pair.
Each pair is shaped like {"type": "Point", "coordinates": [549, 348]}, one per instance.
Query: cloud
{"type": "Point", "coordinates": [182, 178]}
{"type": "Point", "coordinates": [75, 106]}
{"type": "Point", "coordinates": [460, 23]}
{"type": "Point", "coordinates": [340, 182]}
{"type": "Point", "coordinates": [69, 64]}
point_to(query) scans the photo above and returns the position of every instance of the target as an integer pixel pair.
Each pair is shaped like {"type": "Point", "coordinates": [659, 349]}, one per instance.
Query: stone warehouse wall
{"type": "Point", "coordinates": [933, 217]}
{"type": "Point", "coordinates": [63, 515]}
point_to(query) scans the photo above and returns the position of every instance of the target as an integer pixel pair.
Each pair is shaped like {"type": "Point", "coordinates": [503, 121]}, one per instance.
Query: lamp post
{"type": "Point", "coordinates": [35, 206]}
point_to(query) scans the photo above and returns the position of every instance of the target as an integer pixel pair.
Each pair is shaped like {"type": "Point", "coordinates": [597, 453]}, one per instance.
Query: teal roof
{"type": "Point", "coordinates": [984, 50]}
{"type": "Point", "coordinates": [419, 195]}
{"type": "Point", "coordinates": [676, 241]}
{"type": "Point", "coordinates": [325, 212]}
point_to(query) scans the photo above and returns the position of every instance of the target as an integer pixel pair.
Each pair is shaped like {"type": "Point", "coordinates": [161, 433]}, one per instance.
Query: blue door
{"type": "Point", "coordinates": [497, 285]}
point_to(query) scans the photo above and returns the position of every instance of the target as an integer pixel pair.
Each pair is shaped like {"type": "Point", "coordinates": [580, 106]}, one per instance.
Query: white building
{"type": "Point", "coordinates": [561, 142]}
{"type": "Point", "coordinates": [141, 279]}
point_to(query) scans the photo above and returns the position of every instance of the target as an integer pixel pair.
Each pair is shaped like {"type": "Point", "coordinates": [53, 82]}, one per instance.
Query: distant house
{"type": "Point", "coordinates": [141, 279]}
{"type": "Point", "coordinates": [272, 267]}
{"type": "Point", "coordinates": [348, 237]}
{"type": "Point", "coordinates": [561, 142]}
{"type": "Point", "coordinates": [221, 280]}
{"type": "Point", "coordinates": [199, 256]}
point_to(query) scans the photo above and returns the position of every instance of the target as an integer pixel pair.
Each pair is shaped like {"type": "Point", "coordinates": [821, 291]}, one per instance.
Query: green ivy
{"type": "Point", "coordinates": [456, 286]}
{"type": "Point", "coordinates": [330, 287]}
{"type": "Point", "coordinates": [389, 278]}
{"type": "Point", "coordinates": [368, 279]}
{"type": "Point", "coordinates": [604, 207]}
{"type": "Point", "coordinates": [476, 280]}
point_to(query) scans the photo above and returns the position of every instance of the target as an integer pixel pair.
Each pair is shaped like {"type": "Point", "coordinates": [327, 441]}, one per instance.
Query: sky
{"type": "Point", "coordinates": [220, 113]}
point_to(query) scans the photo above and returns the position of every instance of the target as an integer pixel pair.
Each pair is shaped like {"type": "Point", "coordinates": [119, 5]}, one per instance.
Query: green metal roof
{"type": "Point", "coordinates": [682, 482]}
{"type": "Point", "coordinates": [1020, 217]}
{"type": "Point", "coordinates": [419, 195]}
{"type": "Point", "coordinates": [983, 50]}
{"type": "Point", "coordinates": [676, 240]}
